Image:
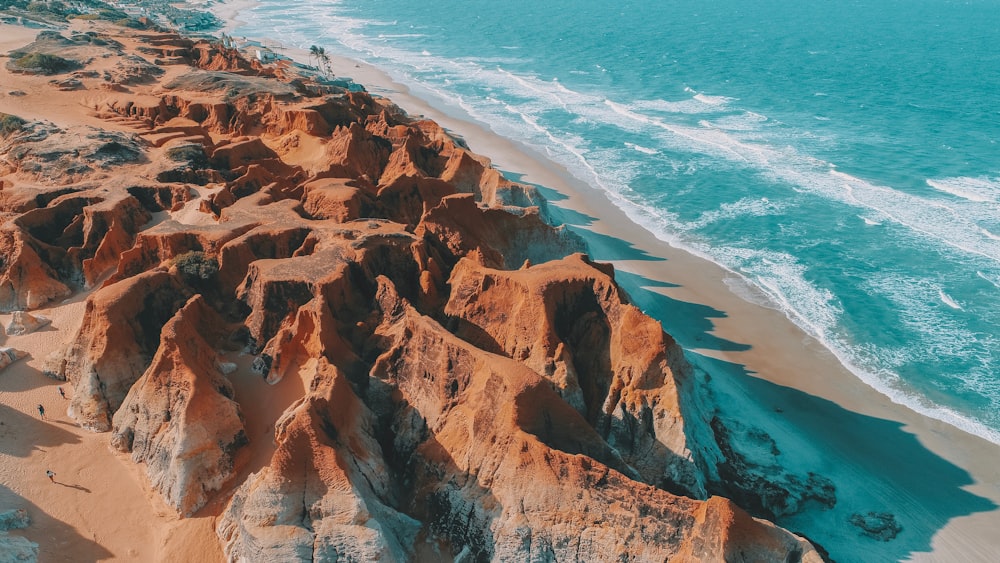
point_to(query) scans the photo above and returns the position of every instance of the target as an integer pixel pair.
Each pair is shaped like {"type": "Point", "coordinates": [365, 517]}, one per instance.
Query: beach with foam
{"type": "Point", "coordinates": [886, 446]}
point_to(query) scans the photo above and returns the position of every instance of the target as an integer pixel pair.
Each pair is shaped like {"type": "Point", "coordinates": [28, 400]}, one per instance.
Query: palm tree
{"type": "Point", "coordinates": [325, 62]}
{"type": "Point", "coordinates": [322, 59]}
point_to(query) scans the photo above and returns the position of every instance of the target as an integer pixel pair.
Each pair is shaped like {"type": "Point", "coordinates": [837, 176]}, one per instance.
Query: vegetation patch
{"type": "Point", "coordinates": [10, 124]}
{"type": "Point", "coordinates": [196, 267]}
{"type": "Point", "coordinates": [42, 63]}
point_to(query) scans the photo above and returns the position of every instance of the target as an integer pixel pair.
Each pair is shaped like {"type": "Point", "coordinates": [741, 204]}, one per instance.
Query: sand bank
{"type": "Point", "coordinates": [941, 484]}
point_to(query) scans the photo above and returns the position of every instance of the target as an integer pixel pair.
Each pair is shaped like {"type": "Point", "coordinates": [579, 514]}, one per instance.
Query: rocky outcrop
{"type": "Point", "coordinates": [338, 199]}
{"type": "Point", "coordinates": [25, 323]}
{"type": "Point", "coordinates": [26, 281]}
{"type": "Point", "coordinates": [464, 427]}
{"type": "Point", "coordinates": [353, 152]}
{"type": "Point", "coordinates": [9, 356]}
{"type": "Point", "coordinates": [568, 321]}
{"type": "Point", "coordinates": [69, 242]}
{"type": "Point", "coordinates": [54, 155]}
{"type": "Point", "coordinates": [16, 549]}
{"type": "Point", "coordinates": [881, 526]}
{"type": "Point", "coordinates": [119, 334]}
{"type": "Point", "coordinates": [179, 418]}
{"type": "Point", "coordinates": [503, 237]}
{"type": "Point", "coordinates": [14, 519]}
{"type": "Point", "coordinates": [320, 498]}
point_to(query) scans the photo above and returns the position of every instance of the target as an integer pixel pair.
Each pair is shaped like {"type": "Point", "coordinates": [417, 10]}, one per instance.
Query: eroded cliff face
{"type": "Point", "coordinates": [179, 418]}
{"type": "Point", "coordinates": [570, 323]}
{"type": "Point", "coordinates": [471, 384]}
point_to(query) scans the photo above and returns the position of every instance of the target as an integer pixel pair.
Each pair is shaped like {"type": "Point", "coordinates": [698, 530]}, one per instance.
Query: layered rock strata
{"type": "Point", "coordinates": [469, 385]}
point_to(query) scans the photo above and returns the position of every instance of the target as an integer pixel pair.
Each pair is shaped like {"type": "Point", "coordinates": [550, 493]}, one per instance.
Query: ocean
{"type": "Point", "coordinates": [840, 157]}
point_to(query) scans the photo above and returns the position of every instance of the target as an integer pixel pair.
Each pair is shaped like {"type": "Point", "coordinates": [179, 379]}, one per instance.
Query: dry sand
{"type": "Point", "coordinates": [942, 484]}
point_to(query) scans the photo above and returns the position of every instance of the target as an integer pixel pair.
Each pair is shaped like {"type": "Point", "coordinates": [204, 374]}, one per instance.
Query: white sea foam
{"type": "Point", "coordinates": [745, 122]}
{"type": "Point", "coordinates": [989, 234]}
{"type": "Point", "coordinates": [973, 189]}
{"type": "Point", "coordinates": [713, 100]}
{"type": "Point", "coordinates": [785, 289]}
{"type": "Point", "coordinates": [709, 100]}
{"type": "Point", "coordinates": [948, 300]}
{"type": "Point", "coordinates": [949, 226]}
{"type": "Point", "coordinates": [688, 106]}
{"type": "Point", "coordinates": [748, 206]}
{"type": "Point", "coordinates": [936, 333]}
{"type": "Point", "coordinates": [960, 228]}
{"type": "Point", "coordinates": [749, 292]}
{"type": "Point", "coordinates": [993, 279]}
{"type": "Point", "coordinates": [642, 149]}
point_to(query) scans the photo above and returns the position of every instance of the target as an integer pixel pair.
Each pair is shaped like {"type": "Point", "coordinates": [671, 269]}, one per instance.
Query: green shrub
{"type": "Point", "coordinates": [44, 62]}
{"type": "Point", "coordinates": [130, 22]}
{"type": "Point", "coordinates": [55, 8]}
{"type": "Point", "coordinates": [111, 14]}
{"type": "Point", "coordinates": [10, 124]}
{"type": "Point", "coordinates": [196, 267]}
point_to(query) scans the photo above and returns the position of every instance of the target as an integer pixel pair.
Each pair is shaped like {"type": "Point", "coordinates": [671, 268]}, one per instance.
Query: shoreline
{"type": "Point", "coordinates": [801, 392]}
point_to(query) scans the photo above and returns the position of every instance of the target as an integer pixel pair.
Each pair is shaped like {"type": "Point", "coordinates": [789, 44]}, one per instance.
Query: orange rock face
{"type": "Point", "coordinates": [569, 322]}
{"type": "Point", "coordinates": [179, 418]}
{"type": "Point", "coordinates": [456, 379]}
{"type": "Point", "coordinates": [115, 344]}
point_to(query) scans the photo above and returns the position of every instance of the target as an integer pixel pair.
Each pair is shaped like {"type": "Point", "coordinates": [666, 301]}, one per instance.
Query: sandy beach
{"type": "Point", "coordinates": [942, 484]}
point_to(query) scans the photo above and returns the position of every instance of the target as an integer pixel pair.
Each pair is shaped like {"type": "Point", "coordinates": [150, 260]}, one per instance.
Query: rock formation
{"type": "Point", "coordinates": [25, 323]}
{"type": "Point", "coordinates": [9, 356]}
{"type": "Point", "coordinates": [179, 418]}
{"type": "Point", "coordinates": [470, 385]}
{"type": "Point", "coordinates": [16, 549]}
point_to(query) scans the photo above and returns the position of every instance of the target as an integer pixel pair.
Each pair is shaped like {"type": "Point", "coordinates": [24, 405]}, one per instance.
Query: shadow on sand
{"type": "Point", "coordinates": [40, 434]}
{"type": "Point", "coordinates": [68, 486]}
{"type": "Point", "coordinates": [57, 540]}
{"type": "Point", "coordinates": [875, 463]}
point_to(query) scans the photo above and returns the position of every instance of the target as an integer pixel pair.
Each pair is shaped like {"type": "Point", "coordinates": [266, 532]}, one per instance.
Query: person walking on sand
{"type": "Point", "coordinates": [51, 475]}
{"type": "Point", "coordinates": [61, 392]}
{"type": "Point", "coordinates": [41, 411]}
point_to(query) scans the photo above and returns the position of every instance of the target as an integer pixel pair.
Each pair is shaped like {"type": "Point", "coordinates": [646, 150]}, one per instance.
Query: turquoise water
{"type": "Point", "coordinates": [841, 156]}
